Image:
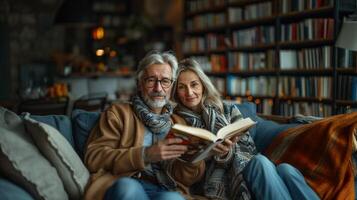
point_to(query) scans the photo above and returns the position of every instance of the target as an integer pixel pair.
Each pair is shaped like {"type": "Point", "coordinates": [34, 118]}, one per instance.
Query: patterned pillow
{"type": "Point", "coordinates": [23, 164]}
{"type": "Point", "coordinates": [62, 156]}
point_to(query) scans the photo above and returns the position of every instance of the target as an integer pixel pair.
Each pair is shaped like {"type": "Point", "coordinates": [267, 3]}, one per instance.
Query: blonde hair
{"type": "Point", "coordinates": [210, 94]}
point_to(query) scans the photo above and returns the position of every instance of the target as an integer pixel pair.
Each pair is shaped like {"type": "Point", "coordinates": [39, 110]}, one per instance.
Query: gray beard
{"type": "Point", "coordinates": [155, 104]}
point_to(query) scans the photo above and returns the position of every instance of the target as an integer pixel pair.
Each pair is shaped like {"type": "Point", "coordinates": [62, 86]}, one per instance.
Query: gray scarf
{"type": "Point", "coordinates": [216, 184]}
{"type": "Point", "coordinates": [158, 124]}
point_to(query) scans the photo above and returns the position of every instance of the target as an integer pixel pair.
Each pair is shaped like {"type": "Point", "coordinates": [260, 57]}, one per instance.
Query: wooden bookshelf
{"type": "Point", "coordinates": [314, 60]}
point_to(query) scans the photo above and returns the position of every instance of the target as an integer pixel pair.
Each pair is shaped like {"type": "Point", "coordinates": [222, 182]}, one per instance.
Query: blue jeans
{"type": "Point", "coordinates": [129, 188]}
{"type": "Point", "coordinates": [270, 182]}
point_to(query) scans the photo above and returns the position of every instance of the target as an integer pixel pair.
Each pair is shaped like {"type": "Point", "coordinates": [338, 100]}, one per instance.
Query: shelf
{"type": "Point", "coordinates": [306, 72]}
{"type": "Point", "coordinates": [197, 53]}
{"type": "Point", "coordinates": [100, 74]}
{"type": "Point", "coordinates": [305, 44]}
{"type": "Point", "coordinates": [207, 30]}
{"type": "Point", "coordinates": [216, 9]}
{"type": "Point", "coordinates": [246, 2]}
{"type": "Point", "coordinates": [323, 12]}
{"type": "Point", "coordinates": [258, 47]}
{"type": "Point", "coordinates": [217, 51]}
{"type": "Point", "coordinates": [216, 74]}
{"type": "Point", "coordinates": [306, 99]}
{"type": "Point", "coordinates": [254, 22]}
{"type": "Point", "coordinates": [347, 71]}
{"type": "Point", "coordinates": [251, 96]}
{"type": "Point", "coordinates": [346, 103]}
{"type": "Point", "coordinates": [260, 72]}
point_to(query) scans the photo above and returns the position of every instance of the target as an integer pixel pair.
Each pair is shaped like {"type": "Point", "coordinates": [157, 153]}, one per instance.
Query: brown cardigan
{"type": "Point", "coordinates": [114, 150]}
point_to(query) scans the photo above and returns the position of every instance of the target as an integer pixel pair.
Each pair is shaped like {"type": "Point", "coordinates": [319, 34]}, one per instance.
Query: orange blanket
{"type": "Point", "coordinates": [322, 152]}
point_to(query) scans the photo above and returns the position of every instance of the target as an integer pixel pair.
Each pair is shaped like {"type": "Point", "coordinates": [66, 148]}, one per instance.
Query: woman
{"type": "Point", "coordinates": [199, 103]}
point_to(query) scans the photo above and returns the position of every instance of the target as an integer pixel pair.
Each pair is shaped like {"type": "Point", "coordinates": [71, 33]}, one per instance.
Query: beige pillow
{"type": "Point", "coordinates": [22, 163]}
{"type": "Point", "coordinates": [60, 153]}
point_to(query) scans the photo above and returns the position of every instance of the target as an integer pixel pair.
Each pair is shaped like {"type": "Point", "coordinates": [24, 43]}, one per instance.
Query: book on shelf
{"type": "Point", "coordinates": [200, 141]}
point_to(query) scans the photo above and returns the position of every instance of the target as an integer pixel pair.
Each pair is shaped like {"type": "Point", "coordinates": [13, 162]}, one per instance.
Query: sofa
{"type": "Point", "coordinates": [76, 129]}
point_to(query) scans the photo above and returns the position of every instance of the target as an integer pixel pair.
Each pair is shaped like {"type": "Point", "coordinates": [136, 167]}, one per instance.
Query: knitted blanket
{"type": "Point", "coordinates": [322, 151]}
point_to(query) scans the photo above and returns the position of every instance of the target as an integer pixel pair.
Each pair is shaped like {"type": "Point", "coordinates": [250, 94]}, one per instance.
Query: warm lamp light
{"type": "Point", "coordinates": [347, 37]}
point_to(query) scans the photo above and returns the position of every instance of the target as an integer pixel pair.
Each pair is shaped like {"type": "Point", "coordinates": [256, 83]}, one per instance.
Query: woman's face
{"type": "Point", "coordinates": [189, 90]}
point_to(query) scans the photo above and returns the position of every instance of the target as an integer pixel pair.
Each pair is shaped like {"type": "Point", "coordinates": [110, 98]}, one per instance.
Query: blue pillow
{"type": "Point", "coordinates": [82, 123]}
{"type": "Point", "coordinates": [10, 191]}
{"type": "Point", "coordinates": [60, 122]}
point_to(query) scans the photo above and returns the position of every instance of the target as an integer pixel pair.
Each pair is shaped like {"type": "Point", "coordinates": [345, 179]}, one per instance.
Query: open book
{"type": "Point", "coordinates": [201, 141]}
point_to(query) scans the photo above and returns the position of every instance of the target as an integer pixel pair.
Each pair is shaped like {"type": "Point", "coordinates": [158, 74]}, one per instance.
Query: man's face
{"type": "Point", "coordinates": [155, 86]}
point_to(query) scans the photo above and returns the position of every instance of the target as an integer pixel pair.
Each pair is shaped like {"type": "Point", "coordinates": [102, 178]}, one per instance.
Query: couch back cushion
{"type": "Point", "coordinates": [23, 164]}
{"type": "Point", "coordinates": [61, 154]}
{"type": "Point", "coordinates": [82, 123]}
{"type": "Point", "coordinates": [61, 122]}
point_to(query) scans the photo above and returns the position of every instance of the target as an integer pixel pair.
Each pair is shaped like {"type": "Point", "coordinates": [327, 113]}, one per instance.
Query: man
{"type": "Point", "coordinates": [127, 153]}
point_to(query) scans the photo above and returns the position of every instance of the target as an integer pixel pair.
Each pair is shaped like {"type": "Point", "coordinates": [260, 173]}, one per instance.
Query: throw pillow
{"type": "Point", "coordinates": [23, 164]}
{"type": "Point", "coordinates": [62, 156]}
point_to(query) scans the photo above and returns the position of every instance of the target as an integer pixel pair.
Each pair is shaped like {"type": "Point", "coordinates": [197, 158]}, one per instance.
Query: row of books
{"type": "Point", "coordinates": [253, 36]}
{"type": "Point", "coordinates": [287, 6]}
{"type": "Point", "coordinates": [256, 86]}
{"type": "Point", "coordinates": [249, 61]}
{"type": "Point", "coordinates": [206, 21]}
{"type": "Point", "coordinates": [317, 87]}
{"type": "Point", "coordinates": [213, 63]}
{"type": "Point", "coordinates": [308, 29]}
{"type": "Point", "coordinates": [249, 12]}
{"type": "Point", "coordinates": [347, 87]}
{"type": "Point", "coordinates": [208, 42]}
{"type": "Point", "coordinates": [219, 83]}
{"type": "Point", "coordinates": [199, 5]}
{"type": "Point", "coordinates": [306, 58]}
{"type": "Point", "coordinates": [347, 58]}
{"type": "Point", "coordinates": [305, 108]}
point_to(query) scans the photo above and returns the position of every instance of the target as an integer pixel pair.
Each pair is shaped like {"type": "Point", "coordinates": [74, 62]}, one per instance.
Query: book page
{"type": "Point", "coordinates": [240, 126]}
{"type": "Point", "coordinates": [198, 132]}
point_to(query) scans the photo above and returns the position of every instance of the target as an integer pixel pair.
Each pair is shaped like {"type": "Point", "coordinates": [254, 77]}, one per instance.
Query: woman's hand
{"type": "Point", "coordinates": [164, 150]}
{"type": "Point", "coordinates": [223, 148]}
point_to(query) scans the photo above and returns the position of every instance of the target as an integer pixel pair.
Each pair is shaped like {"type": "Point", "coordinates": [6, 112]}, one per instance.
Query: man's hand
{"type": "Point", "coordinates": [223, 148]}
{"type": "Point", "coordinates": [164, 150]}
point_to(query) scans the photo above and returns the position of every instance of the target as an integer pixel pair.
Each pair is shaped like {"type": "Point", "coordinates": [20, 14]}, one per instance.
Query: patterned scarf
{"type": "Point", "coordinates": [157, 123]}
{"type": "Point", "coordinates": [218, 182]}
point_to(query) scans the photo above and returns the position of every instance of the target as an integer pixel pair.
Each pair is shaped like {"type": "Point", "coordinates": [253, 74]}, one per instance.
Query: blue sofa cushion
{"type": "Point", "coordinates": [82, 123]}
{"type": "Point", "coordinates": [10, 191]}
{"type": "Point", "coordinates": [269, 128]}
{"type": "Point", "coordinates": [61, 122]}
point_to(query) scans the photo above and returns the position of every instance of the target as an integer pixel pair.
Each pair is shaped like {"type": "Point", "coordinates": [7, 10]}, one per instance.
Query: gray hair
{"type": "Point", "coordinates": [155, 57]}
{"type": "Point", "coordinates": [210, 94]}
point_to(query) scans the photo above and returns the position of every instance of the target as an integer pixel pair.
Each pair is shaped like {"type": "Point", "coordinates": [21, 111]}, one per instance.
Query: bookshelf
{"type": "Point", "coordinates": [279, 54]}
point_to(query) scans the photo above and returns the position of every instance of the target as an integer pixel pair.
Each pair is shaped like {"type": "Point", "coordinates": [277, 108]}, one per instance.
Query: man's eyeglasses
{"type": "Point", "coordinates": [151, 81]}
